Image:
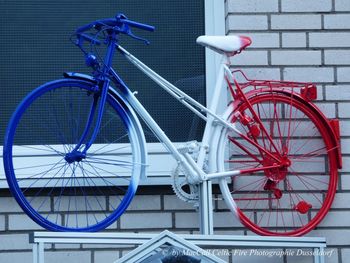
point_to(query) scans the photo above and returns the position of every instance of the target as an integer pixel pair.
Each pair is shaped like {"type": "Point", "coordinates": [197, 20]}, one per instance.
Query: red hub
{"type": "Point", "coordinates": [279, 173]}
{"type": "Point", "coordinates": [275, 175]}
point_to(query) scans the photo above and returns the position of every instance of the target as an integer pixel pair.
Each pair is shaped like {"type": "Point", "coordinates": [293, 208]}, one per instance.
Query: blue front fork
{"type": "Point", "coordinates": [75, 154]}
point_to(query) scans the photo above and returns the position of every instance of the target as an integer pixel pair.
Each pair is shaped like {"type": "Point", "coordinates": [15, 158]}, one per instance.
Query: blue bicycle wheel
{"type": "Point", "coordinates": [87, 194]}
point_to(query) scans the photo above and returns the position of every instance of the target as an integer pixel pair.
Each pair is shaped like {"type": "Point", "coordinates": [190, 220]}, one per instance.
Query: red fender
{"type": "Point", "coordinates": [332, 125]}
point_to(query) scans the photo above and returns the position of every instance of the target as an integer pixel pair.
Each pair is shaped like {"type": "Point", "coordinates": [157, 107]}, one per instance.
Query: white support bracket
{"type": "Point", "coordinates": [39, 239]}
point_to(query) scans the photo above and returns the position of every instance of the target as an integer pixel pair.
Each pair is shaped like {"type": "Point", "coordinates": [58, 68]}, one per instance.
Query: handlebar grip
{"type": "Point", "coordinates": [138, 25]}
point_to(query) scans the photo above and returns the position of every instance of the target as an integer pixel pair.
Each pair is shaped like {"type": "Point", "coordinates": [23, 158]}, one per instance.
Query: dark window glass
{"type": "Point", "coordinates": [35, 48]}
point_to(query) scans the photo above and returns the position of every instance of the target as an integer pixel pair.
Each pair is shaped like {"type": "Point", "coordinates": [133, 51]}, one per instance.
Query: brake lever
{"type": "Point", "coordinates": [138, 38]}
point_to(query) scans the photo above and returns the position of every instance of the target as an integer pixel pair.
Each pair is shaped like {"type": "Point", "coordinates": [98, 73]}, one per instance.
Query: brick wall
{"type": "Point", "coordinates": [305, 40]}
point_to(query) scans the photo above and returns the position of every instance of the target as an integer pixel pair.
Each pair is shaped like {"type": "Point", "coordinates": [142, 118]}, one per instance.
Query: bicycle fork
{"type": "Point", "coordinates": [76, 155]}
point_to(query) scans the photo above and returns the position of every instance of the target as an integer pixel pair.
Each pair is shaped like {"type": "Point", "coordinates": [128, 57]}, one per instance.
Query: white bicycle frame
{"type": "Point", "coordinates": [194, 168]}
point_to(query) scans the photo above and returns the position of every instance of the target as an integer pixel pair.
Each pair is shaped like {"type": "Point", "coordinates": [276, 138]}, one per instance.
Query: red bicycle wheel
{"type": "Point", "coordinates": [289, 200]}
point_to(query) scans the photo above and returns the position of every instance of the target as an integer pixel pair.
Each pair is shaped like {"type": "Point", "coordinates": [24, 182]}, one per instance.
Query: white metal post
{"type": "Point", "coordinates": [41, 252]}
{"type": "Point", "coordinates": [35, 252]}
{"type": "Point", "coordinates": [214, 25]}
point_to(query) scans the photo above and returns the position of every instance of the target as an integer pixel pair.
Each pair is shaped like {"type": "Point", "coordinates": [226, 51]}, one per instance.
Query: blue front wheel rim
{"type": "Point", "coordinates": [99, 163]}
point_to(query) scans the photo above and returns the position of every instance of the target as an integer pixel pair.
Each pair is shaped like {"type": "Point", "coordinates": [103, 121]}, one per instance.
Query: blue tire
{"type": "Point", "coordinates": [85, 195]}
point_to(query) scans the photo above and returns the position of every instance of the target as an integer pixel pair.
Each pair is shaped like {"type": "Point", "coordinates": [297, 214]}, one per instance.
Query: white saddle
{"type": "Point", "coordinates": [229, 45]}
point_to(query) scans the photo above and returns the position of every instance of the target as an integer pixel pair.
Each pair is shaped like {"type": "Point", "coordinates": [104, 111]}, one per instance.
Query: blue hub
{"type": "Point", "coordinates": [74, 156]}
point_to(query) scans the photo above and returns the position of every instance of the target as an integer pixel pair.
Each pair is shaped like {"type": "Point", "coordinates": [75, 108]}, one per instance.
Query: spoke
{"type": "Point", "coordinates": [113, 142]}
{"type": "Point", "coordinates": [249, 184]}
{"type": "Point", "coordinates": [105, 180]}
{"type": "Point", "coordinates": [293, 204]}
{"type": "Point", "coordinates": [36, 166]}
{"type": "Point", "coordinates": [54, 167]}
{"type": "Point", "coordinates": [43, 187]}
{"type": "Point", "coordinates": [51, 149]}
{"type": "Point", "coordinates": [275, 115]}
{"type": "Point", "coordinates": [305, 183]}
{"type": "Point", "coordinates": [315, 154]}
{"type": "Point", "coordinates": [95, 186]}
{"type": "Point", "coordinates": [244, 148]}
{"type": "Point", "coordinates": [109, 184]}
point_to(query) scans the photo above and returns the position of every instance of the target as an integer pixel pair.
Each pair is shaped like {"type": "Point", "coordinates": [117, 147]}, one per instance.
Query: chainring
{"type": "Point", "coordinates": [191, 192]}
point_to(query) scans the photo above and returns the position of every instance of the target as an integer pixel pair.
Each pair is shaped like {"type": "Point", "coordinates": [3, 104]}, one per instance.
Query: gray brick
{"type": "Point", "coordinates": [345, 254]}
{"type": "Point", "coordinates": [346, 168]}
{"type": "Point", "coordinates": [345, 128]}
{"type": "Point", "coordinates": [294, 22]}
{"type": "Point", "coordinates": [172, 202]}
{"type": "Point", "coordinates": [253, 6]}
{"type": "Point", "coordinates": [334, 237]}
{"type": "Point", "coordinates": [328, 109]}
{"type": "Point", "coordinates": [145, 220]}
{"type": "Point", "coordinates": [15, 257]}
{"type": "Point", "coordinates": [343, 74]}
{"type": "Point", "coordinates": [329, 39]}
{"type": "Point", "coordinates": [336, 219]}
{"type": "Point", "coordinates": [145, 202]}
{"type": "Point", "coordinates": [258, 58]}
{"type": "Point", "coordinates": [186, 220]}
{"type": "Point", "coordinates": [228, 232]}
{"type": "Point", "coordinates": [263, 40]}
{"type": "Point", "coordinates": [2, 222]}
{"type": "Point", "coordinates": [263, 73]}
{"type": "Point", "coordinates": [345, 146]}
{"type": "Point", "coordinates": [105, 256]}
{"type": "Point", "coordinates": [337, 57]}
{"type": "Point", "coordinates": [293, 39]}
{"type": "Point", "coordinates": [9, 204]}
{"type": "Point", "coordinates": [309, 74]}
{"type": "Point", "coordinates": [338, 92]}
{"type": "Point", "coordinates": [68, 257]}
{"type": "Point", "coordinates": [295, 57]}
{"type": "Point", "coordinates": [342, 5]}
{"type": "Point", "coordinates": [345, 178]}
{"type": "Point", "coordinates": [67, 246]}
{"type": "Point", "coordinates": [14, 241]}
{"type": "Point", "coordinates": [110, 246]}
{"type": "Point", "coordinates": [80, 203]}
{"type": "Point", "coordinates": [341, 200]}
{"type": "Point", "coordinates": [337, 21]}
{"type": "Point", "coordinates": [343, 110]}
{"type": "Point", "coordinates": [306, 6]}
{"type": "Point", "coordinates": [225, 219]}
{"type": "Point", "coordinates": [251, 22]}
{"type": "Point", "coordinates": [22, 222]}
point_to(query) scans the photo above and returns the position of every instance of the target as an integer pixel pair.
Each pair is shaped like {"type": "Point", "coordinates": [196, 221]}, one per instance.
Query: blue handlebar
{"type": "Point", "coordinates": [114, 22]}
{"type": "Point", "coordinates": [138, 25]}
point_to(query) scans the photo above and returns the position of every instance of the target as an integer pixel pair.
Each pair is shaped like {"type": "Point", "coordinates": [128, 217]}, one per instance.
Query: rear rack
{"type": "Point", "coordinates": [307, 90]}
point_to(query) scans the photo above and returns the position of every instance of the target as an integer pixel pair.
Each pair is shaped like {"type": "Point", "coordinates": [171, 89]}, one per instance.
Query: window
{"type": "Point", "coordinates": [35, 48]}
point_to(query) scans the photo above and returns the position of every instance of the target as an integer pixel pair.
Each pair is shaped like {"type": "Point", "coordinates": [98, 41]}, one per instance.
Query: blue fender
{"type": "Point", "coordinates": [127, 107]}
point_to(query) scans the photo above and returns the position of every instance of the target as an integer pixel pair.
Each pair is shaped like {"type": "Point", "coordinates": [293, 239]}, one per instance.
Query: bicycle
{"type": "Point", "coordinates": [273, 152]}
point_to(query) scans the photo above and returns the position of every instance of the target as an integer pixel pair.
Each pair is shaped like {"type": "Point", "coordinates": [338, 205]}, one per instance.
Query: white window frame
{"type": "Point", "coordinates": [160, 162]}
